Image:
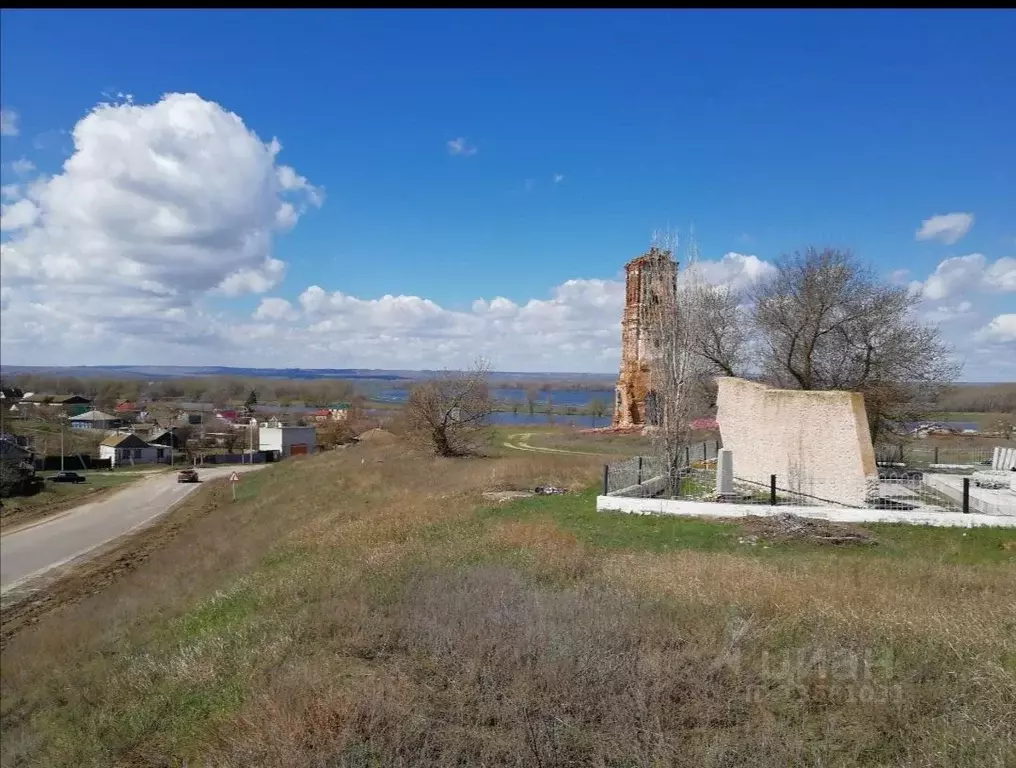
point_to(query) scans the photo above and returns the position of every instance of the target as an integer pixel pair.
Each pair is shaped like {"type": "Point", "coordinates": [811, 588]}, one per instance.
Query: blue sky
{"type": "Point", "coordinates": [767, 131]}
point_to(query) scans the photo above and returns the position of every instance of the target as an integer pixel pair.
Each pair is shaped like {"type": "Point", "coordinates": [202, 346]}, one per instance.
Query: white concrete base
{"type": "Point", "coordinates": [835, 514]}
{"type": "Point", "coordinates": [986, 501]}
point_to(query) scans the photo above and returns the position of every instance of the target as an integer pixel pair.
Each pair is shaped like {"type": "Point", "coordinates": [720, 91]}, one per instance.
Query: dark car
{"type": "Point", "coordinates": [67, 477]}
{"type": "Point", "coordinates": [187, 476]}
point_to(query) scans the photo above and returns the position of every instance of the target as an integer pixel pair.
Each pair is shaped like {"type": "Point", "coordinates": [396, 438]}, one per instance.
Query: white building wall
{"type": "Point", "coordinates": [282, 439]}
{"type": "Point", "coordinates": [270, 438]}
{"type": "Point", "coordinates": [129, 457]}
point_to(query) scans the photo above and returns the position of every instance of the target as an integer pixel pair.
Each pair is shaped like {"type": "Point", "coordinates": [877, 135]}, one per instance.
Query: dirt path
{"type": "Point", "coordinates": [520, 442]}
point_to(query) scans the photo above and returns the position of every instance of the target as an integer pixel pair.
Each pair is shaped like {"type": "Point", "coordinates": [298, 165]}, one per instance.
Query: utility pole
{"type": "Point", "coordinates": [61, 443]}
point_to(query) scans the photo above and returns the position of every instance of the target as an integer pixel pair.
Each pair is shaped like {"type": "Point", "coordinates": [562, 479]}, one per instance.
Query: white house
{"type": "Point", "coordinates": [287, 441]}
{"type": "Point", "coordinates": [131, 449]}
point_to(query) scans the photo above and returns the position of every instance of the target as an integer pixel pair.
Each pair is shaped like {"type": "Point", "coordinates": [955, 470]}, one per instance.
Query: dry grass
{"type": "Point", "coordinates": [967, 609]}
{"type": "Point", "coordinates": [355, 609]}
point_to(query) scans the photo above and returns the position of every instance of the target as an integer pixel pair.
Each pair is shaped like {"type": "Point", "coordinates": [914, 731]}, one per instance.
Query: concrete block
{"type": "Point", "coordinates": [816, 443]}
{"type": "Point", "coordinates": [725, 472]}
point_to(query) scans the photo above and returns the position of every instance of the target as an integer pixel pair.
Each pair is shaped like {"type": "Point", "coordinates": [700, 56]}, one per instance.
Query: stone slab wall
{"type": "Point", "coordinates": [816, 443]}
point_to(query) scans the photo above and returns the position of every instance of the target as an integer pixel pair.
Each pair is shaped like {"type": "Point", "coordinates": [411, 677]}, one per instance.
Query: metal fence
{"type": "Point", "coordinates": [926, 456]}
{"type": "Point", "coordinates": [897, 489]}
{"type": "Point", "coordinates": [643, 475]}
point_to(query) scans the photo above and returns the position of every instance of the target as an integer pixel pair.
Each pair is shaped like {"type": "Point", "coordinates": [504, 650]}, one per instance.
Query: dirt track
{"type": "Point", "coordinates": [520, 442]}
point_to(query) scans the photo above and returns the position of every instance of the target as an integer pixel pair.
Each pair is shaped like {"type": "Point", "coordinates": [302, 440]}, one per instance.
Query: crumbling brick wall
{"type": "Point", "coordinates": [648, 278]}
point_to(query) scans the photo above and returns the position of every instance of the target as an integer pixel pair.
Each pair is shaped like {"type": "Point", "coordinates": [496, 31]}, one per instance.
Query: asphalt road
{"type": "Point", "coordinates": [31, 551]}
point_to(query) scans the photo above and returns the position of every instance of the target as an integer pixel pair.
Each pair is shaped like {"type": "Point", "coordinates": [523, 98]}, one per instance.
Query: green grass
{"type": "Point", "coordinates": [564, 437]}
{"type": "Point", "coordinates": [195, 669]}
{"type": "Point", "coordinates": [659, 533]}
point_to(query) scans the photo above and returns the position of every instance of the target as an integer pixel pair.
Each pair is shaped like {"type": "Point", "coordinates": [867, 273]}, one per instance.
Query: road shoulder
{"type": "Point", "coordinates": [25, 604]}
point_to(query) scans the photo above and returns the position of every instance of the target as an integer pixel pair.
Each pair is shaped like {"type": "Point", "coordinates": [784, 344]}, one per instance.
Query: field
{"type": "Point", "coordinates": [56, 497]}
{"type": "Point", "coordinates": [369, 606]}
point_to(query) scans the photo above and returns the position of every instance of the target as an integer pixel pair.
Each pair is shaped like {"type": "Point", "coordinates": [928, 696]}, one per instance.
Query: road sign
{"type": "Point", "coordinates": [234, 478]}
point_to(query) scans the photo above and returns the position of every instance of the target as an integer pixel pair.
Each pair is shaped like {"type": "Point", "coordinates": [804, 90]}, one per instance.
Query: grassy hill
{"type": "Point", "coordinates": [371, 607]}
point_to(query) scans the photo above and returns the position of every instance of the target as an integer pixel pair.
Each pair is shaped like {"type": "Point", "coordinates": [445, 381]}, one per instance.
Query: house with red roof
{"type": "Point", "coordinates": [329, 414]}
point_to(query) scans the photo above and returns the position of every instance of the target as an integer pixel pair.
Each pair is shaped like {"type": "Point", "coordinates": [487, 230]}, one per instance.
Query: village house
{"type": "Point", "coordinates": [130, 450]}
{"type": "Point", "coordinates": [329, 414]}
{"type": "Point", "coordinates": [43, 398]}
{"type": "Point", "coordinates": [95, 420]}
{"type": "Point", "coordinates": [72, 405]}
{"type": "Point", "coordinates": [125, 409]}
{"type": "Point", "coordinates": [167, 438]}
{"type": "Point", "coordinates": [286, 441]}
{"type": "Point", "coordinates": [191, 418]}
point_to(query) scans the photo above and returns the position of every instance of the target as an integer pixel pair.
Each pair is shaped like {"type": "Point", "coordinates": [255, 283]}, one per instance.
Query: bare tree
{"type": "Point", "coordinates": [230, 439]}
{"type": "Point", "coordinates": [824, 321]}
{"type": "Point", "coordinates": [532, 396]}
{"type": "Point", "coordinates": [674, 368]}
{"type": "Point", "coordinates": [597, 408]}
{"type": "Point", "coordinates": [451, 413]}
{"type": "Point", "coordinates": [723, 336]}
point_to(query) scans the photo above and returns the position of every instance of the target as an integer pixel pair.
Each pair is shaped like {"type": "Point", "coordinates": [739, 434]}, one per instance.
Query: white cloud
{"type": "Point", "coordinates": [460, 146]}
{"type": "Point", "coordinates": [1001, 329]}
{"type": "Point", "coordinates": [8, 122]}
{"type": "Point", "coordinates": [10, 192]}
{"type": "Point", "coordinates": [18, 215]}
{"type": "Point", "coordinates": [291, 181]}
{"type": "Point", "coordinates": [899, 276]}
{"type": "Point", "coordinates": [1001, 276]}
{"type": "Point", "coordinates": [158, 207]}
{"type": "Point", "coordinates": [946, 313]}
{"type": "Point", "coordinates": [952, 274]}
{"type": "Point", "coordinates": [253, 279]}
{"type": "Point", "coordinates": [558, 178]}
{"type": "Point", "coordinates": [947, 228]}
{"type": "Point", "coordinates": [575, 328]}
{"type": "Point", "coordinates": [961, 296]}
{"type": "Point", "coordinates": [735, 270]}
{"type": "Point", "coordinates": [972, 272]}
{"type": "Point", "coordinates": [275, 309]}
{"type": "Point", "coordinates": [22, 166]}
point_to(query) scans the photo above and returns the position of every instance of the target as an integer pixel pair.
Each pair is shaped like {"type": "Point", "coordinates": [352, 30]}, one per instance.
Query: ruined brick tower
{"type": "Point", "coordinates": [649, 278]}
